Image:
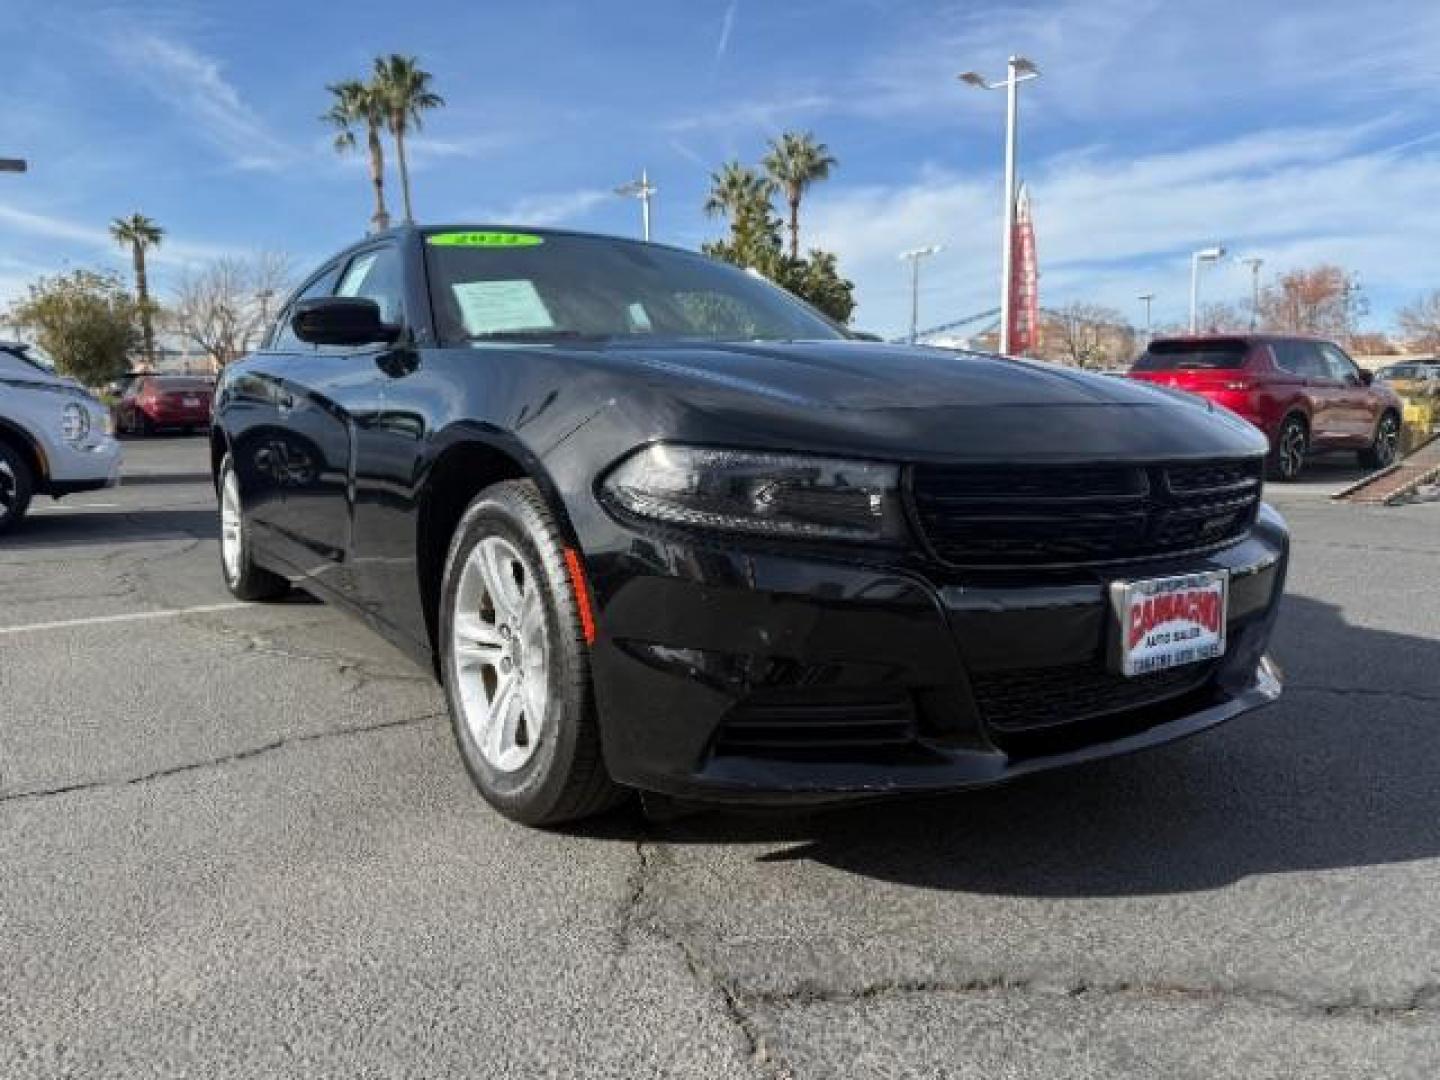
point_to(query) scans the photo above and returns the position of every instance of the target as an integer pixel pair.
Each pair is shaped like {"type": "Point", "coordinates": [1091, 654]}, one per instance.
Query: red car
{"type": "Point", "coordinates": [151, 402]}
{"type": "Point", "coordinates": [1305, 394]}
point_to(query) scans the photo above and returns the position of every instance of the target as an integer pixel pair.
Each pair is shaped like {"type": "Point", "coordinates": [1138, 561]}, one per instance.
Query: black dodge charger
{"type": "Point", "coordinates": [658, 525]}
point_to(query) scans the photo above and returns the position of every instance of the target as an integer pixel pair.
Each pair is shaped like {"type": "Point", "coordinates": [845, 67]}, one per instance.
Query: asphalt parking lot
{"type": "Point", "coordinates": [238, 842]}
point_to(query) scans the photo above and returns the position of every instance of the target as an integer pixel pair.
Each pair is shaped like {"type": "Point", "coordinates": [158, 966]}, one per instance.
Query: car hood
{"type": "Point", "coordinates": [924, 403]}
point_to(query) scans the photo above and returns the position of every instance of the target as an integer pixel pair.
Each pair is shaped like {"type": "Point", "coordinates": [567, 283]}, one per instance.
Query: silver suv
{"type": "Point", "coordinates": [54, 437]}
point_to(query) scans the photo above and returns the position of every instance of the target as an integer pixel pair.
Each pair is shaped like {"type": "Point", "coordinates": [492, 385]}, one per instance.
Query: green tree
{"type": "Point", "coordinates": [87, 321]}
{"type": "Point", "coordinates": [357, 104]}
{"type": "Point", "coordinates": [794, 163]}
{"type": "Point", "coordinates": [755, 243]}
{"type": "Point", "coordinates": [139, 233]}
{"type": "Point", "coordinates": [734, 189]}
{"type": "Point", "coordinates": [404, 90]}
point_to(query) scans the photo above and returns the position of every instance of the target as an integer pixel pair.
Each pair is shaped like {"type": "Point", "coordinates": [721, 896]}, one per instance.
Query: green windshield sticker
{"type": "Point", "coordinates": [484, 239]}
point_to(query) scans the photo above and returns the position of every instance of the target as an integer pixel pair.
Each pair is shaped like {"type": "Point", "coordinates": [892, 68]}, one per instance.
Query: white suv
{"type": "Point", "coordinates": [54, 437]}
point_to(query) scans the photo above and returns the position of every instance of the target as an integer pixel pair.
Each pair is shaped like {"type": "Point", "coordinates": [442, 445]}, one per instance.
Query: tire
{"type": "Point", "coordinates": [511, 639]}
{"type": "Point", "coordinates": [144, 425]}
{"type": "Point", "coordinates": [243, 578]}
{"type": "Point", "coordinates": [1381, 453]}
{"type": "Point", "coordinates": [17, 485]}
{"type": "Point", "coordinates": [1287, 460]}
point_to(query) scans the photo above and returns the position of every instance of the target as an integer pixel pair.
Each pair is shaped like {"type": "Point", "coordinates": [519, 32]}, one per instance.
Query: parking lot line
{"type": "Point", "coordinates": [132, 616]}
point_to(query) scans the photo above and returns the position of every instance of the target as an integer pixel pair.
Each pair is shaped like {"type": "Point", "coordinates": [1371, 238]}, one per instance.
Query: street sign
{"type": "Point", "coordinates": [13, 165]}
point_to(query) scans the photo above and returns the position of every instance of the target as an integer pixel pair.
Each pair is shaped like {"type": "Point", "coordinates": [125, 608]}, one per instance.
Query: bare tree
{"type": "Point", "coordinates": [222, 307]}
{"type": "Point", "coordinates": [1420, 322]}
{"type": "Point", "coordinates": [1220, 318]}
{"type": "Point", "coordinates": [1323, 300]}
{"type": "Point", "coordinates": [1089, 335]}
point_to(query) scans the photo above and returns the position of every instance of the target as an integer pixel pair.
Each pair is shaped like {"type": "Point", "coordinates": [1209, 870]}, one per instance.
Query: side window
{"type": "Point", "coordinates": [376, 275]}
{"type": "Point", "coordinates": [1338, 365]}
{"type": "Point", "coordinates": [1300, 358]}
{"type": "Point", "coordinates": [282, 338]}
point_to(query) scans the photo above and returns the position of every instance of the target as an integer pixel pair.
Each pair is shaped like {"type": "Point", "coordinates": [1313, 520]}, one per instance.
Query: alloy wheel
{"type": "Point", "coordinates": [1291, 450]}
{"type": "Point", "coordinates": [231, 526]}
{"type": "Point", "coordinates": [9, 490]}
{"type": "Point", "coordinates": [1387, 441]}
{"type": "Point", "coordinates": [501, 653]}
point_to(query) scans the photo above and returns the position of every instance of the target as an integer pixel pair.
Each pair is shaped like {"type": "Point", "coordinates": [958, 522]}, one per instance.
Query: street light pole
{"type": "Point", "coordinates": [1146, 298]}
{"type": "Point", "coordinates": [914, 257]}
{"type": "Point", "coordinates": [1254, 262]}
{"type": "Point", "coordinates": [640, 189]}
{"type": "Point", "coordinates": [1019, 70]}
{"type": "Point", "coordinates": [1209, 254]}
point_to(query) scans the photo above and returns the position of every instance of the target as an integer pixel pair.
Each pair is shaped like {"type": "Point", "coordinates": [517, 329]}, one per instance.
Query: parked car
{"type": "Point", "coordinates": [1305, 394]}
{"type": "Point", "coordinates": [1417, 377]}
{"type": "Point", "coordinates": [657, 524]}
{"type": "Point", "coordinates": [54, 436]}
{"type": "Point", "coordinates": [152, 402]}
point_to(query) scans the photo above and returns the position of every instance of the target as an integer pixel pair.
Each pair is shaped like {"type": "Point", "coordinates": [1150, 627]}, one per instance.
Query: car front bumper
{"type": "Point", "coordinates": [90, 466]}
{"type": "Point", "coordinates": [737, 676]}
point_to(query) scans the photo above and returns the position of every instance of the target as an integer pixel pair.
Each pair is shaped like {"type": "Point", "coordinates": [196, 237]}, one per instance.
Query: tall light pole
{"type": "Point", "coordinates": [1254, 263]}
{"type": "Point", "coordinates": [914, 257]}
{"type": "Point", "coordinates": [1146, 298]}
{"type": "Point", "coordinates": [1210, 254]}
{"type": "Point", "coordinates": [640, 189]}
{"type": "Point", "coordinates": [1019, 70]}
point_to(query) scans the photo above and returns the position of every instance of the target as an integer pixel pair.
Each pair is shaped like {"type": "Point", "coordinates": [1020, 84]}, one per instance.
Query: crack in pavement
{"type": "Point", "coordinates": [1365, 692]}
{"type": "Point", "coordinates": [728, 999]}
{"type": "Point", "coordinates": [1424, 999]}
{"type": "Point", "coordinates": [217, 762]}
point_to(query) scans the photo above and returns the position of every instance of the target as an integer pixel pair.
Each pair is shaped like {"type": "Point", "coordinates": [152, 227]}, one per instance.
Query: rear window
{"type": "Point", "coordinates": [175, 382]}
{"type": "Point", "coordinates": [1193, 356]}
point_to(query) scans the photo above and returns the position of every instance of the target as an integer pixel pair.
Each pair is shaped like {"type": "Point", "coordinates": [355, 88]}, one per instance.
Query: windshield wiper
{"type": "Point", "coordinates": [533, 335]}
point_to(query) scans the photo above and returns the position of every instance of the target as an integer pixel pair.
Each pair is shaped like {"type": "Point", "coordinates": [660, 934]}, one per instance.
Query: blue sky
{"type": "Point", "coordinates": [1298, 132]}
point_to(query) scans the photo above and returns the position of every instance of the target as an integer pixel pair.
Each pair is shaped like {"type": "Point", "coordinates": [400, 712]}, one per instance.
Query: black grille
{"type": "Point", "coordinates": [1054, 515]}
{"type": "Point", "coordinates": [779, 728]}
{"type": "Point", "coordinates": [1031, 698]}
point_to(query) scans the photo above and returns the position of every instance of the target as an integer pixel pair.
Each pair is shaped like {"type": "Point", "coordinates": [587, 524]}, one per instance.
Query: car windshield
{"type": "Point", "coordinates": [34, 356]}
{"type": "Point", "coordinates": [1192, 356]}
{"type": "Point", "coordinates": [1403, 371]}
{"type": "Point", "coordinates": [506, 286]}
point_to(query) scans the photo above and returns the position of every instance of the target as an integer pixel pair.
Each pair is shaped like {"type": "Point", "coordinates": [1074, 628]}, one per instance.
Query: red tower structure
{"type": "Point", "coordinates": [1025, 279]}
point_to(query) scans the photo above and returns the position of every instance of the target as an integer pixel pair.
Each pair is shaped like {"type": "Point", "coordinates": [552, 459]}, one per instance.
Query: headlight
{"type": "Point", "coordinates": [765, 494]}
{"type": "Point", "coordinates": [74, 422]}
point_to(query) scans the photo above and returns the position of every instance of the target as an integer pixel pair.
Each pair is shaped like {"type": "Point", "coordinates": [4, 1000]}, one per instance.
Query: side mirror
{"type": "Point", "coordinates": [341, 320]}
{"type": "Point", "coordinates": [1366, 377]}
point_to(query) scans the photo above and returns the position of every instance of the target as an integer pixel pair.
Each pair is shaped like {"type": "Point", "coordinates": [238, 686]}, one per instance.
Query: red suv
{"type": "Point", "coordinates": [1305, 394]}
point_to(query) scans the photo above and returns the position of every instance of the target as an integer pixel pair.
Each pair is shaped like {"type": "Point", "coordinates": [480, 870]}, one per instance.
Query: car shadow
{"type": "Point", "coordinates": [1338, 774]}
{"type": "Point", "coordinates": [62, 528]}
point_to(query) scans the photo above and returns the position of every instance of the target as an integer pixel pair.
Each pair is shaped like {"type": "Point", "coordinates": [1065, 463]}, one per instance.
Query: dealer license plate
{"type": "Point", "coordinates": [1168, 622]}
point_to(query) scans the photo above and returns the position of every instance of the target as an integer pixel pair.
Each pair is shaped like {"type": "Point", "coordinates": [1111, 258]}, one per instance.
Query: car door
{"type": "Point", "coordinates": [1325, 391]}
{"type": "Point", "coordinates": [1359, 407]}
{"type": "Point", "coordinates": [268, 461]}
{"type": "Point", "coordinates": [329, 394]}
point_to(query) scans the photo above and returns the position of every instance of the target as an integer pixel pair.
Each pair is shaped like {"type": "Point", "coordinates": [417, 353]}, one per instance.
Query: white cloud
{"type": "Point", "coordinates": [1109, 227]}
{"type": "Point", "coordinates": [548, 209]}
{"type": "Point", "coordinates": [193, 85]}
{"type": "Point", "coordinates": [767, 114]}
{"type": "Point", "coordinates": [98, 239]}
{"type": "Point", "coordinates": [727, 24]}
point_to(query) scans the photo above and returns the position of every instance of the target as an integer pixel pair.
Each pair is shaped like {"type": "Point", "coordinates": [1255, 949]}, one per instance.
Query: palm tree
{"type": "Point", "coordinates": [734, 188]}
{"type": "Point", "coordinates": [405, 92]}
{"type": "Point", "coordinates": [357, 103]}
{"type": "Point", "coordinates": [139, 232]}
{"type": "Point", "coordinates": [796, 161]}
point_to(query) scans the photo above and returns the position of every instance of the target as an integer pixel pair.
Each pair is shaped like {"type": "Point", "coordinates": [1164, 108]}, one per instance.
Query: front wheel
{"type": "Point", "coordinates": [516, 662]}
{"type": "Point", "coordinates": [1381, 453]}
{"type": "Point", "coordinates": [243, 578]}
{"type": "Point", "coordinates": [1288, 458]}
{"type": "Point", "coordinates": [17, 483]}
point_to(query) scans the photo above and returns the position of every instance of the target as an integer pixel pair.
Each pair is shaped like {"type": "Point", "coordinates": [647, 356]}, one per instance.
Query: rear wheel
{"type": "Point", "coordinates": [1382, 452]}
{"type": "Point", "coordinates": [1288, 458]}
{"type": "Point", "coordinates": [516, 665]}
{"type": "Point", "coordinates": [17, 483]}
{"type": "Point", "coordinates": [243, 578]}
